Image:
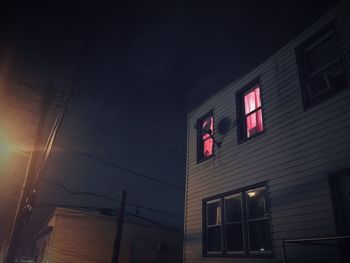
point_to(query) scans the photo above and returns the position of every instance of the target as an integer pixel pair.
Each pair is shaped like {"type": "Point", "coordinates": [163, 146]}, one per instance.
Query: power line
{"type": "Point", "coordinates": [125, 169]}
{"type": "Point", "coordinates": [95, 208]}
{"type": "Point", "coordinates": [118, 132]}
{"type": "Point", "coordinates": [108, 209]}
{"type": "Point", "coordinates": [65, 188]}
{"type": "Point", "coordinates": [27, 198]}
{"type": "Point", "coordinates": [154, 222]}
{"type": "Point", "coordinates": [70, 90]}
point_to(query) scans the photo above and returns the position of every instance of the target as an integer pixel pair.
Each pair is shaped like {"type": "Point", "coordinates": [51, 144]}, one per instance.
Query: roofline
{"type": "Point", "coordinates": [331, 12]}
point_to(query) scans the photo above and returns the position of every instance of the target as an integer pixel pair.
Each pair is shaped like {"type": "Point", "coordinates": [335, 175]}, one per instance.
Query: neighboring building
{"type": "Point", "coordinates": [77, 236]}
{"type": "Point", "coordinates": [269, 156]}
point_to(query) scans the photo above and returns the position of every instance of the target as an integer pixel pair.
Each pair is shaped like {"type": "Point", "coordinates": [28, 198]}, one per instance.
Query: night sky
{"type": "Point", "coordinates": [149, 63]}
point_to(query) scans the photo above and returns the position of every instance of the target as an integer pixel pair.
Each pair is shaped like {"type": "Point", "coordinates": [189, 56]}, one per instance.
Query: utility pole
{"type": "Point", "coordinates": [24, 207]}
{"type": "Point", "coordinates": [27, 198]}
{"type": "Point", "coordinates": [119, 230]}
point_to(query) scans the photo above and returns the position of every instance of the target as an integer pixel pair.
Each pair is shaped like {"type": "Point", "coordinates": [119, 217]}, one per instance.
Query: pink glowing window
{"type": "Point", "coordinates": [253, 120]}
{"type": "Point", "coordinates": [206, 142]}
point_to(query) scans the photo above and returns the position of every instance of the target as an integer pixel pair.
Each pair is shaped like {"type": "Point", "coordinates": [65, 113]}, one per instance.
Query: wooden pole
{"type": "Point", "coordinates": [119, 230]}
{"type": "Point", "coordinates": [27, 190]}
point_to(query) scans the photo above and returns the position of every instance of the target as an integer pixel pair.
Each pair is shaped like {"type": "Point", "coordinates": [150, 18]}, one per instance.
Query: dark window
{"type": "Point", "coordinates": [234, 223]}
{"type": "Point", "coordinates": [214, 226]}
{"type": "Point", "coordinates": [205, 141]}
{"type": "Point", "coordinates": [249, 110]}
{"type": "Point", "coordinates": [237, 224]}
{"type": "Point", "coordinates": [137, 251]}
{"type": "Point", "coordinates": [321, 68]}
{"type": "Point", "coordinates": [258, 220]}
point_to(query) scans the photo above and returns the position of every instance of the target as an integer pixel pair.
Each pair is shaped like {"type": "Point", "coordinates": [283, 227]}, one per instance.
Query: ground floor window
{"type": "Point", "coordinates": [237, 223]}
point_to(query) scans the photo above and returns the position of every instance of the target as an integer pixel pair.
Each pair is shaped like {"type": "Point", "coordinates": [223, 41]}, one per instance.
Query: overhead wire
{"type": "Point", "coordinates": [117, 166]}
{"type": "Point", "coordinates": [154, 222]}
{"type": "Point", "coordinates": [65, 188]}
{"type": "Point", "coordinates": [95, 208]}
{"type": "Point", "coordinates": [70, 91]}
{"type": "Point", "coordinates": [135, 138]}
{"type": "Point", "coordinates": [113, 211]}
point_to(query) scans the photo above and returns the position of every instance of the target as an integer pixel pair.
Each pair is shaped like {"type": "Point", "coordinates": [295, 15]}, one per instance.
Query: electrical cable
{"type": "Point", "coordinates": [65, 188]}
{"type": "Point", "coordinates": [109, 163]}
{"type": "Point", "coordinates": [120, 132]}
{"type": "Point", "coordinates": [112, 210]}
{"type": "Point", "coordinates": [154, 222]}
{"type": "Point", "coordinates": [70, 92]}
{"type": "Point", "coordinates": [94, 208]}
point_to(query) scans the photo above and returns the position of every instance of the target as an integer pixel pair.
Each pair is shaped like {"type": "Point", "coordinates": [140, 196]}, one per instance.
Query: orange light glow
{"type": "Point", "coordinates": [251, 194]}
{"type": "Point", "coordinates": [7, 148]}
{"type": "Point", "coordinates": [4, 145]}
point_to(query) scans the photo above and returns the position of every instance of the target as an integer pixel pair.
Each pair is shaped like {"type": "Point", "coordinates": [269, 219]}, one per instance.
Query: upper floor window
{"type": "Point", "coordinates": [205, 141]}
{"type": "Point", "coordinates": [237, 224]}
{"type": "Point", "coordinates": [321, 68]}
{"type": "Point", "coordinates": [249, 111]}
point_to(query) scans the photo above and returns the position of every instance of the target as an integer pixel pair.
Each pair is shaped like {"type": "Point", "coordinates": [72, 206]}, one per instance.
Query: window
{"type": "Point", "coordinates": [237, 224]}
{"type": "Point", "coordinates": [137, 251]}
{"type": "Point", "coordinates": [214, 226]}
{"type": "Point", "coordinates": [205, 141]}
{"type": "Point", "coordinates": [321, 69]}
{"type": "Point", "coordinates": [249, 111]}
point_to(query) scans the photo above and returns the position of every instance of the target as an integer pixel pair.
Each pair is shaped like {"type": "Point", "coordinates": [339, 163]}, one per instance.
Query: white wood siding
{"type": "Point", "coordinates": [294, 155]}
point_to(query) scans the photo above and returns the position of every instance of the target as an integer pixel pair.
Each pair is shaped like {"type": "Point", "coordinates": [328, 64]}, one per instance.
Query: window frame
{"type": "Point", "coordinates": [240, 111]}
{"type": "Point", "coordinates": [216, 200]}
{"type": "Point", "coordinates": [247, 253]}
{"type": "Point", "coordinates": [200, 156]}
{"type": "Point", "coordinates": [306, 46]}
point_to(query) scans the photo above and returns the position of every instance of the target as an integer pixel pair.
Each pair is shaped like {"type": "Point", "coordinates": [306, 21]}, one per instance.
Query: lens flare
{"type": "Point", "coordinates": [5, 149]}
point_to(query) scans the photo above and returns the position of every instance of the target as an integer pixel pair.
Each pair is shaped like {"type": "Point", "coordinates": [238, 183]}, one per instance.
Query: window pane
{"type": "Point", "coordinates": [260, 236]}
{"type": "Point", "coordinates": [208, 147]}
{"type": "Point", "coordinates": [317, 86]}
{"type": "Point", "coordinates": [208, 142]}
{"type": "Point", "coordinates": [321, 54]}
{"type": "Point", "coordinates": [254, 123]}
{"type": "Point", "coordinates": [213, 214]}
{"type": "Point", "coordinates": [256, 203]}
{"type": "Point", "coordinates": [214, 238]}
{"type": "Point", "coordinates": [252, 100]}
{"type": "Point", "coordinates": [234, 237]}
{"type": "Point", "coordinates": [331, 78]}
{"type": "Point", "coordinates": [336, 77]}
{"type": "Point", "coordinates": [207, 127]}
{"type": "Point", "coordinates": [233, 209]}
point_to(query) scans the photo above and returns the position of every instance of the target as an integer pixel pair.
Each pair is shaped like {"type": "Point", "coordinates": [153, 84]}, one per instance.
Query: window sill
{"type": "Point", "coordinates": [240, 255]}
{"type": "Point", "coordinates": [317, 101]}
{"type": "Point", "coordinates": [242, 141]}
{"type": "Point", "coordinates": [202, 160]}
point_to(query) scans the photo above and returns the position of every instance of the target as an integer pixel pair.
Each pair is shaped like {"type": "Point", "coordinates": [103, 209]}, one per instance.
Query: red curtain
{"type": "Point", "coordinates": [208, 142]}
{"type": "Point", "coordinates": [254, 121]}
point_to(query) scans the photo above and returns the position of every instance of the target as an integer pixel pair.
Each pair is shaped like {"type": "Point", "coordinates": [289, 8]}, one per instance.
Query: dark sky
{"type": "Point", "coordinates": [149, 63]}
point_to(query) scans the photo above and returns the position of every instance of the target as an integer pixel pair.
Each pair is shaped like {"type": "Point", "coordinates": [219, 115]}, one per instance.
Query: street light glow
{"type": "Point", "coordinates": [5, 148]}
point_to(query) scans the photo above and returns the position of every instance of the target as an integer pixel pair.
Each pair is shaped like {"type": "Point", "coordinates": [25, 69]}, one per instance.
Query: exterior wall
{"type": "Point", "coordinates": [150, 247]}
{"type": "Point", "coordinates": [44, 245]}
{"type": "Point", "coordinates": [294, 155]}
{"type": "Point", "coordinates": [77, 237]}
{"type": "Point", "coordinates": [84, 238]}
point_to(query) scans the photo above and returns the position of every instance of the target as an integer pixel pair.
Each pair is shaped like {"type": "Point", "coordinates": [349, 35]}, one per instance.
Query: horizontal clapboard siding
{"type": "Point", "coordinates": [294, 155]}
